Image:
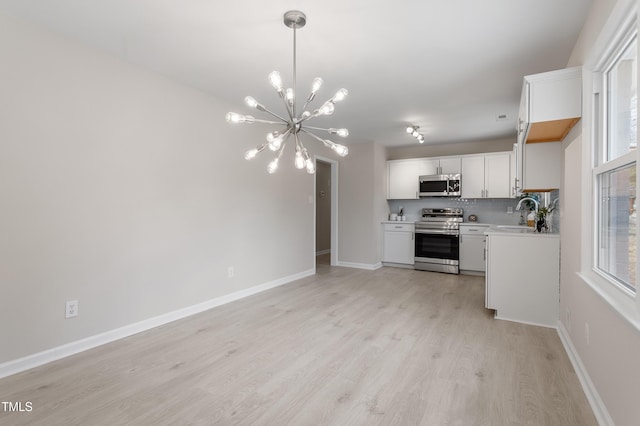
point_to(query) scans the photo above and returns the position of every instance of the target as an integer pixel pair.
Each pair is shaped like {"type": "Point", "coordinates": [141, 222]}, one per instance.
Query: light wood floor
{"type": "Point", "coordinates": [344, 347]}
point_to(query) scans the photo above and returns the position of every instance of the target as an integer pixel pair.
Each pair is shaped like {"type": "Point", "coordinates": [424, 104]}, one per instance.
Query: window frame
{"type": "Point", "coordinates": [610, 44]}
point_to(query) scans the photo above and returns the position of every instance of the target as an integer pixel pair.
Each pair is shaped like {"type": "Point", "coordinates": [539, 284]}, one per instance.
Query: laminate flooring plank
{"type": "Point", "coordinates": [342, 347]}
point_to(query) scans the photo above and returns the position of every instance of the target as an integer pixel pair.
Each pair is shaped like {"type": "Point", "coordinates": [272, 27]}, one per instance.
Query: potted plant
{"type": "Point", "coordinates": [542, 218]}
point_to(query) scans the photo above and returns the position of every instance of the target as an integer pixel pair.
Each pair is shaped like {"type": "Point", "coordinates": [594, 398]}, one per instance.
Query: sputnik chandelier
{"type": "Point", "coordinates": [413, 131]}
{"type": "Point", "coordinates": [293, 124]}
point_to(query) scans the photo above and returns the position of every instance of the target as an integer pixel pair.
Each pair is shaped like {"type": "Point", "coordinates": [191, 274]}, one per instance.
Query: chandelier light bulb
{"type": "Point", "coordinates": [316, 85]}
{"type": "Point", "coordinates": [327, 108]}
{"type": "Point", "coordinates": [276, 143]}
{"type": "Point", "coordinates": [340, 95]}
{"type": "Point", "coordinates": [290, 97]}
{"type": "Point", "coordinates": [299, 160]}
{"type": "Point", "coordinates": [251, 102]}
{"type": "Point", "coordinates": [251, 154]}
{"type": "Point", "coordinates": [276, 80]}
{"type": "Point", "coordinates": [234, 118]}
{"type": "Point", "coordinates": [415, 134]}
{"type": "Point", "coordinates": [273, 166]}
{"type": "Point", "coordinates": [311, 168]}
{"type": "Point", "coordinates": [410, 129]}
{"type": "Point", "coordinates": [341, 150]}
{"type": "Point", "coordinates": [343, 133]}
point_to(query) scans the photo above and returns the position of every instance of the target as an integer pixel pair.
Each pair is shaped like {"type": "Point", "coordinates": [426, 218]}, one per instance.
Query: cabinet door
{"type": "Point", "coordinates": [556, 98]}
{"type": "Point", "coordinates": [472, 177]}
{"type": "Point", "coordinates": [402, 180]}
{"type": "Point", "coordinates": [542, 166]}
{"type": "Point", "coordinates": [472, 252]}
{"type": "Point", "coordinates": [497, 179]}
{"type": "Point", "coordinates": [428, 167]}
{"type": "Point", "coordinates": [435, 166]}
{"type": "Point", "coordinates": [450, 166]}
{"type": "Point", "coordinates": [398, 247]}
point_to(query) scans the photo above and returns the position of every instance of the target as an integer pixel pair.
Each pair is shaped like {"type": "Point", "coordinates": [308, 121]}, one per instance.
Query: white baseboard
{"type": "Point", "coordinates": [367, 266]}
{"type": "Point", "coordinates": [30, 361]}
{"type": "Point", "coordinates": [321, 252]}
{"type": "Point", "coordinates": [596, 403]}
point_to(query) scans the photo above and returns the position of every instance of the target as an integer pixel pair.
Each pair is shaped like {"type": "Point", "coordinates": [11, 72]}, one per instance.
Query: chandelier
{"type": "Point", "coordinates": [413, 131]}
{"type": "Point", "coordinates": [293, 124]}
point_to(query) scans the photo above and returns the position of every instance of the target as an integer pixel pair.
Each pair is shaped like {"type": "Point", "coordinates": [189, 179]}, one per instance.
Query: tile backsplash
{"type": "Point", "coordinates": [488, 210]}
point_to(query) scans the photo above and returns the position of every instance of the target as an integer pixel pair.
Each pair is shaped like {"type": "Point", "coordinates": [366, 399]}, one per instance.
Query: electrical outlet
{"type": "Point", "coordinates": [510, 209]}
{"type": "Point", "coordinates": [230, 272]}
{"type": "Point", "coordinates": [71, 309]}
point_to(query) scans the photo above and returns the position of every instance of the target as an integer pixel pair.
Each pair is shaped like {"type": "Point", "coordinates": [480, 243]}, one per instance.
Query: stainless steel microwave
{"type": "Point", "coordinates": [439, 185]}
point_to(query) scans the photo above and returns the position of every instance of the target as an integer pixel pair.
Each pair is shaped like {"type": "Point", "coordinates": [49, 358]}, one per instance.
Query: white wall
{"type": "Point", "coordinates": [361, 210]}
{"type": "Point", "coordinates": [129, 193]}
{"type": "Point", "coordinates": [611, 355]}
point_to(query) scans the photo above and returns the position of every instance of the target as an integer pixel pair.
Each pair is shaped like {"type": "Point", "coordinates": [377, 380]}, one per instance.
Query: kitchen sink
{"type": "Point", "coordinates": [515, 228]}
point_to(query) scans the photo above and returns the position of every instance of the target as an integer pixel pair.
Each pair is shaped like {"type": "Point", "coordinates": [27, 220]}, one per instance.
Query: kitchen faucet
{"type": "Point", "coordinates": [535, 202]}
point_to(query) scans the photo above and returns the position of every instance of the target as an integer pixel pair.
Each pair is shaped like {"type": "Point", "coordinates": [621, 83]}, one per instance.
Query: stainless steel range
{"type": "Point", "coordinates": [437, 247]}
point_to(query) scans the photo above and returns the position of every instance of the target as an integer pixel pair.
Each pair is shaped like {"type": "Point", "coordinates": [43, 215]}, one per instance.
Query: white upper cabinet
{"type": "Point", "coordinates": [402, 179]}
{"type": "Point", "coordinates": [402, 175]}
{"type": "Point", "coordinates": [550, 105]}
{"type": "Point", "coordinates": [472, 177]}
{"type": "Point", "coordinates": [439, 166]}
{"type": "Point", "coordinates": [497, 177]}
{"type": "Point", "coordinates": [486, 176]}
{"type": "Point", "coordinates": [541, 167]}
{"type": "Point", "coordinates": [482, 176]}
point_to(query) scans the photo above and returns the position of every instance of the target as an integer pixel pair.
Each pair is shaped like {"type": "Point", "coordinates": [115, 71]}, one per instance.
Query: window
{"type": "Point", "coordinates": [617, 223]}
{"type": "Point", "coordinates": [615, 169]}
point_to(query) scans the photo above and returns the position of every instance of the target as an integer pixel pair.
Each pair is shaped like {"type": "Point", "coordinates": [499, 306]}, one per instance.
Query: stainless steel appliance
{"type": "Point", "coordinates": [439, 185]}
{"type": "Point", "coordinates": [437, 247]}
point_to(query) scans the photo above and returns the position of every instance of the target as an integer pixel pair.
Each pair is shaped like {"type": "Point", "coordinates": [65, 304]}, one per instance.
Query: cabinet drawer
{"type": "Point", "coordinates": [473, 229]}
{"type": "Point", "coordinates": [408, 227]}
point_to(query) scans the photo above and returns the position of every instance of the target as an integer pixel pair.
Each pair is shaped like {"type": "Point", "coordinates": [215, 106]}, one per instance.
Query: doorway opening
{"type": "Point", "coordinates": [326, 212]}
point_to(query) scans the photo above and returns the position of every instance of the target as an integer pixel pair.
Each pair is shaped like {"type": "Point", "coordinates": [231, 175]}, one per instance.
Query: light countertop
{"type": "Point", "coordinates": [519, 231]}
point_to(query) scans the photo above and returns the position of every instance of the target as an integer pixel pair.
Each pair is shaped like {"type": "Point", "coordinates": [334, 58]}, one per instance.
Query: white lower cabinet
{"type": "Point", "coordinates": [398, 244]}
{"type": "Point", "coordinates": [523, 277]}
{"type": "Point", "coordinates": [472, 245]}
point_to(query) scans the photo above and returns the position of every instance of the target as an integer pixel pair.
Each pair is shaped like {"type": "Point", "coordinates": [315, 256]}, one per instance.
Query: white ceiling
{"type": "Point", "coordinates": [448, 66]}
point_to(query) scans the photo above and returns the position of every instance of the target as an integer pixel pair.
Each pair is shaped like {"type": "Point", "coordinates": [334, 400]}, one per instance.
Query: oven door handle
{"type": "Point", "coordinates": [437, 232]}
